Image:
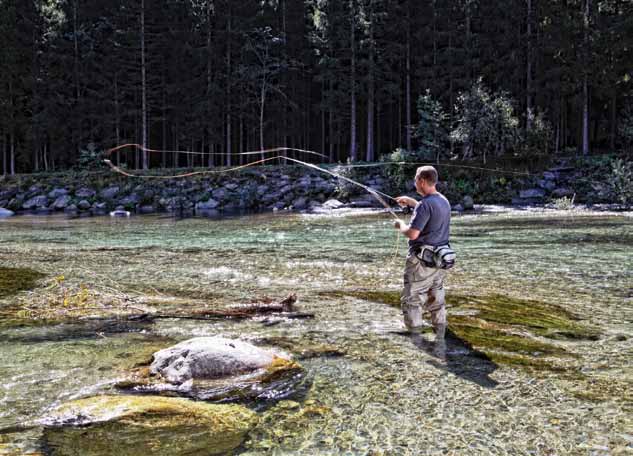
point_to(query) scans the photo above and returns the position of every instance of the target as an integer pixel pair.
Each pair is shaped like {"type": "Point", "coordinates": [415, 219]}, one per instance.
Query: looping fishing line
{"type": "Point", "coordinates": [378, 195]}
{"type": "Point", "coordinates": [375, 193]}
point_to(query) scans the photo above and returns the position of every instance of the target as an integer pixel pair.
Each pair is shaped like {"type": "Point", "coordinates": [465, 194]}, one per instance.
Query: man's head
{"type": "Point", "coordinates": [425, 180]}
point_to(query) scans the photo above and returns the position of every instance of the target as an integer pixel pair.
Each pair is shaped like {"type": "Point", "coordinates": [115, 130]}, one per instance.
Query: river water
{"type": "Point", "coordinates": [389, 393]}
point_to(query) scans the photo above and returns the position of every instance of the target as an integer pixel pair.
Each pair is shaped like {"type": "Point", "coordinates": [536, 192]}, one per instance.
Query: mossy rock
{"type": "Point", "coordinates": [14, 280]}
{"type": "Point", "coordinates": [134, 425]}
{"type": "Point", "coordinates": [303, 347]}
{"type": "Point", "coordinates": [507, 330]}
{"type": "Point", "coordinates": [541, 318]}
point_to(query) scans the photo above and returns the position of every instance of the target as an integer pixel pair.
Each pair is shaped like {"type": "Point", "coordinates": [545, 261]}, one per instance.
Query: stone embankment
{"type": "Point", "coordinates": [277, 188]}
{"type": "Point", "coordinates": [248, 191]}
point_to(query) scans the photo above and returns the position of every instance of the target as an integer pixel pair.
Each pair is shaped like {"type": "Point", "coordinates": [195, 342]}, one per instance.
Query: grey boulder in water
{"type": "Point", "coordinates": [209, 358]}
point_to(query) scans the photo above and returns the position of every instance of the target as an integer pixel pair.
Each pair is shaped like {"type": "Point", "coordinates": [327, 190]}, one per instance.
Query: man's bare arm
{"type": "Point", "coordinates": [406, 201]}
{"type": "Point", "coordinates": [405, 229]}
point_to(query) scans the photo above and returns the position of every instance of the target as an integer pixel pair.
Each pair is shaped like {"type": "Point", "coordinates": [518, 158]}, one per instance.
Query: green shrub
{"type": "Point", "coordinates": [621, 181]}
{"type": "Point", "coordinates": [563, 204]}
{"type": "Point", "coordinates": [400, 169]}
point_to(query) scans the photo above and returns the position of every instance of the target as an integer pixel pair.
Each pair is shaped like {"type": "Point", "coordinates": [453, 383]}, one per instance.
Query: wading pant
{"type": "Point", "coordinates": [423, 292]}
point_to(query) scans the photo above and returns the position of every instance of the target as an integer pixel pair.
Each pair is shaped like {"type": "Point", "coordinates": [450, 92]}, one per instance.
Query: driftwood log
{"type": "Point", "coordinates": [285, 307]}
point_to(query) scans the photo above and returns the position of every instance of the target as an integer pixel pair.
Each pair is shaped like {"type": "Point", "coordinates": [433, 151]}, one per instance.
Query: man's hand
{"type": "Point", "coordinates": [406, 201]}
{"type": "Point", "coordinates": [410, 233]}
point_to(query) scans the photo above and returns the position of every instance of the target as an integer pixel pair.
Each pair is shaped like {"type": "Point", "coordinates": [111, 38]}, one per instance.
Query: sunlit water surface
{"type": "Point", "coordinates": [387, 395]}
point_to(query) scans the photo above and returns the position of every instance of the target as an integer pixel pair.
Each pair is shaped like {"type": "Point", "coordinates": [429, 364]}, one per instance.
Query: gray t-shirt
{"type": "Point", "coordinates": [432, 216]}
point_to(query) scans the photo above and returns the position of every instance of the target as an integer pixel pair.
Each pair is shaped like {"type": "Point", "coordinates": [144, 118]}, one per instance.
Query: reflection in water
{"type": "Point", "coordinates": [457, 356]}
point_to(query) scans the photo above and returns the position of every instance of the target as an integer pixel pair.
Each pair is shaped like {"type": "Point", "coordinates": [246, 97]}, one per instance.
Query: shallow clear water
{"type": "Point", "coordinates": [389, 394]}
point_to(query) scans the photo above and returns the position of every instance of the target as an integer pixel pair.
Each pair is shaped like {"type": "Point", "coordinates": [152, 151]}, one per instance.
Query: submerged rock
{"type": "Point", "coordinates": [133, 425]}
{"type": "Point", "coordinates": [208, 358]}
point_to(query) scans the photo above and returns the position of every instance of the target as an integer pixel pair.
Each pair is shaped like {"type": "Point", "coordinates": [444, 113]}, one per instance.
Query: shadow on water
{"type": "Point", "coordinates": [455, 355]}
{"type": "Point", "coordinates": [72, 331]}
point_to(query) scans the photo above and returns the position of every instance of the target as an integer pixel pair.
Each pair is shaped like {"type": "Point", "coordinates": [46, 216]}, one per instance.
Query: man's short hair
{"type": "Point", "coordinates": [427, 173]}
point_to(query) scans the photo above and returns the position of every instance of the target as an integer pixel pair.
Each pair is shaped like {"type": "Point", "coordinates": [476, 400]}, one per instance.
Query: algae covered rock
{"type": "Point", "coordinates": [208, 358]}
{"type": "Point", "coordinates": [137, 425]}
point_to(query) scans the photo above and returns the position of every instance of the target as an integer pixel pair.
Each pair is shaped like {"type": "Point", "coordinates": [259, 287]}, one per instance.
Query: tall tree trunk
{"type": "Point", "coordinates": [241, 149]}
{"type": "Point", "coordinates": [229, 146]}
{"type": "Point", "coordinates": [262, 101]}
{"type": "Point", "coordinates": [352, 143]}
{"type": "Point", "coordinates": [322, 109]}
{"type": "Point", "coordinates": [529, 114]}
{"type": "Point", "coordinates": [331, 122]}
{"type": "Point", "coordinates": [408, 81]}
{"type": "Point", "coordinates": [76, 74]}
{"type": "Point", "coordinates": [164, 123]}
{"type": "Point", "coordinates": [12, 152]}
{"type": "Point", "coordinates": [585, 83]}
{"type": "Point", "coordinates": [614, 113]}
{"type": "Point", "coordinates": [370, 89]}
{"type": "Point", "coordinates": [144, 89]}
{"type": "Point", "coordinates": [45, 156]}
{"type": "Point", "coordinates": [4, 152]}
{"type": "Point", "coordinates": [209, 124]}
{"type": "Point", "coordinates": [117, 118]}
{"type": "Point", "coordinates": [175, 155]}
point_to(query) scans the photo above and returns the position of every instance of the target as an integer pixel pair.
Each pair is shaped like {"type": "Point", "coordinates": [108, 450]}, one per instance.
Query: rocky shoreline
{"type": "Point", "coordinates": [276, 188]}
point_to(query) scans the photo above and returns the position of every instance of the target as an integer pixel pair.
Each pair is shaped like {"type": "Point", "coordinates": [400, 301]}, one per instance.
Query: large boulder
{"type": "Point", "coordinates": [6, 213]}
{"type": "Point", "coordinates": [57, 192]}
{"type": "Point", "coordinates": [136, 425]}
{"type": "Point", "coordinates": [130, 200]}
{"type": "Point", "coordinates": [110, 192]}
{"type": "Point", "coordinates": [35, 202]}
{"type": "Point", "coordinates": [562, 191]}
{"type": "Point", "coordinates": [209, 358]}
{"type": "Point", "coordinates": [85, 193]}
{"type": "Point", "coordinates": [300, 203]}
{"type": "Point", "coordinates": [209, 205]}
{"type": "Point", "coordinates": [83, 205]}
{"type": "Point", "coordinates": [532, 193]}
{"type": "Point", "coordinates": [467, 203]}
{"type": "Point", "coordinates": [61, 202]}
{"type": "Point", "coordinates": [333, 204]}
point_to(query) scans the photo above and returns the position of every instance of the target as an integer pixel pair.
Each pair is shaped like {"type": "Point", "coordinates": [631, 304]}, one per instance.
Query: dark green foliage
{"type": "Point", "coordinates": [626, 127]}
{"type": "Point", "coordinates": [72, 77]}
{"type": "Point", "coordinates": [431, 131]}
{"type": "Point", "coordinates": [485, 122]}
{"type": "Point", "coordinates": [622, 181]}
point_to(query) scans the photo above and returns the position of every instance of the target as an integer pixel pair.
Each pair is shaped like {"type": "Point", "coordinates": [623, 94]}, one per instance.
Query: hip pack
{"type": "Point", "coordinates": [441, 257]}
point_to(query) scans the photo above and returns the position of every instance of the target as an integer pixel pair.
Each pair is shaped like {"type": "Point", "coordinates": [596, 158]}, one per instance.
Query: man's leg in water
{"type": "Point", "coordinates": [422, 290]}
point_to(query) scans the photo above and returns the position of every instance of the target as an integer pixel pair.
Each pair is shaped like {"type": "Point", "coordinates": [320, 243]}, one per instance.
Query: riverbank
{"type": "Point", "coordinates": [297, 188]}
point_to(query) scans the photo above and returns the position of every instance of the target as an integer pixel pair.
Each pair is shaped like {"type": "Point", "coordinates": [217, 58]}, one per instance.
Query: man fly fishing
{"type": "Point", "coordinates": [429, 253]}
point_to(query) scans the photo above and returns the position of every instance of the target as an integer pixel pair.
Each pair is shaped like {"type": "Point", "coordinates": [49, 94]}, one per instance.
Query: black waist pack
{"type": "Point", "coordinates": [441, 257]}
